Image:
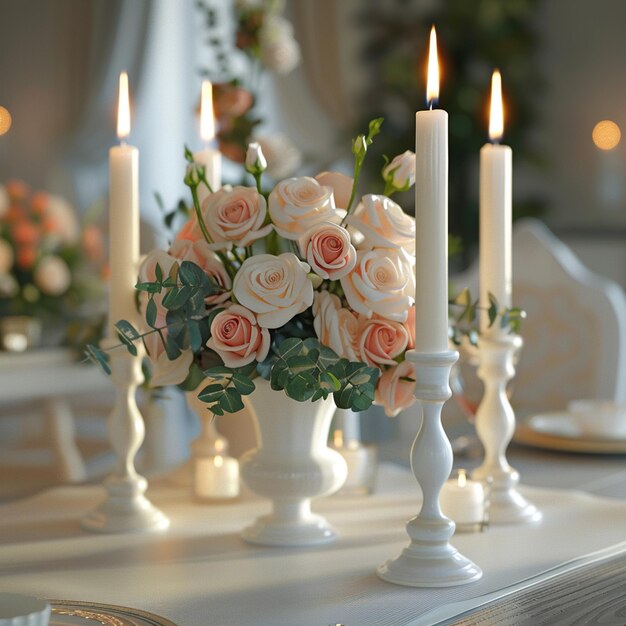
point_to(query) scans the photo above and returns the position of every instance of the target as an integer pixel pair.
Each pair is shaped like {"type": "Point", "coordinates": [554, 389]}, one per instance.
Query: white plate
{"type": "Point", "coordinates": [558, 430]}
{"type": "Point", "coordinates": [75, 613]}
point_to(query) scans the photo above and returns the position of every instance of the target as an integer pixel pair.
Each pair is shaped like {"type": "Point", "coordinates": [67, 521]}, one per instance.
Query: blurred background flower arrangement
{"type": "Point", "coordinates": [51, 267]}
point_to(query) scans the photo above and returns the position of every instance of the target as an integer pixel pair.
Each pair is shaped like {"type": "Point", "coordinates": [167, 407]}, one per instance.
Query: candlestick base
{"type": "Point", "coordinates": [126, 508]}
{"type": "Point", "coordinates": [430, 560]}
{"type": "Point", "coordinates": [495, 424]}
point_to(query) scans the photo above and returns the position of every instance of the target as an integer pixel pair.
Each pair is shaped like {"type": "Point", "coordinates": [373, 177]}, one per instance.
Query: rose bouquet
{"type": "Point", "coordinates": [48, 265]}
{"type": "Point", "coordinates": [303, 286]}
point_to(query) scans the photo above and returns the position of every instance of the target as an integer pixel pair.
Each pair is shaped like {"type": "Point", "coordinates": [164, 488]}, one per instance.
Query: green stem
{"type": "Point", "coordinates": [358, 163]}
{"type": "Point", "coordinates": [389, 189]}
{"type": "Point", "coordinates": [257, 178]}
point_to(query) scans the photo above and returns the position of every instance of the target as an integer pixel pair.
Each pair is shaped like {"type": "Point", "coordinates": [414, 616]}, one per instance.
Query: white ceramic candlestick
{"type": "Point", "coordinates": [430, 560]}
{"type": "Point", "coordinates": [495, 424]}
{"type": "Point", "coordinates": [126, 508]}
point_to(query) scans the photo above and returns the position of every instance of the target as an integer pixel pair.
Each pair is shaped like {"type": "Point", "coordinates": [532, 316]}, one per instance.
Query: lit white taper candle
{"type": "Point", "coordinates": [209, 157]}
{"type": "Point", "coordinates": [123, 216]}
{"type": "Point", "coordinates": [495, 210]}
{"type": "Point", "coordinates": [431, 217]}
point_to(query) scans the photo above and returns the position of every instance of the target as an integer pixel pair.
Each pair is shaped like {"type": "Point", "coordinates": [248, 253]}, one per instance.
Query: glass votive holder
{"type": "Point", "coordinates": [466, 502]}
{"type": "Point", "coordinates": [362, 462]}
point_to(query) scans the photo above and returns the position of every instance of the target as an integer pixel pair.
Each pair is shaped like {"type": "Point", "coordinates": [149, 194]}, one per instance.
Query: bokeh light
{"type": "Point", "coordinates": [606, 135]}
{"type": "Point", "coordinates": [5, 121]}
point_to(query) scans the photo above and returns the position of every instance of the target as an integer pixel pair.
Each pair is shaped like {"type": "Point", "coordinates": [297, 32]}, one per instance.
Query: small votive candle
{"type": "Point", "coordinates": [362, 463]}
{"type": "Point", "coordinates": [463, 501]}
{"type": "Point", "coordinates": [216, 477]}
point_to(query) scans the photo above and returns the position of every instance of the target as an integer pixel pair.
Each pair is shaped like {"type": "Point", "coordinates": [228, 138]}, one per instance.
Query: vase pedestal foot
{"type": "Point", "coordinates": [290, 524]}
{"type": "Point", "coordinates": [267, 531]}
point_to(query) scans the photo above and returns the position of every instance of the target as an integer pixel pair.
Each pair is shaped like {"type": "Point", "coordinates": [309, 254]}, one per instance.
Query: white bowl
{"type": "Point", "coordinates": [19, 610]}
{"type": "Point", "coordinates": [599, 418]}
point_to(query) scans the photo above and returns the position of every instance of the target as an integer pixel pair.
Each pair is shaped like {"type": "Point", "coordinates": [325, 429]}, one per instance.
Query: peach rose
{"type": "Point", "coordinates": [147, 273]}
{"type": "Point", "coordinates": [340, 184]}
{"type": "Point", "coordinates": [381, 341]}
{"type": "Point", "coordinates": [393, 391]}
{"type": "Point", "coordinates": [328, 250]}
{"type": "Point", "coordinates": [235, 216]}
{"type": "Point", "coordinates": [383, 224]}
{"type": "Point", "coordinates": [200, 253]}
{"type": "Point", "coordinates": [276, 288]}
{"type": "Point", "coordinates": [410, 327]}
{"type": "Point", "coordinates": [237, 337]}
{"type": "Point", "coordinates": [382, 283]}
{"type": "Point", "coordinates": [298, 204]}
{"type": "Point", "coordinates": [335, 326]}
{"type": "Point", "coordinates": [52, 275]}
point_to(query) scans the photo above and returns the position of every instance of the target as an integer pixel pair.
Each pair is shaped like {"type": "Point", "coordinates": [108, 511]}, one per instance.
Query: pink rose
{"type": "Point", "coordinates": [298, 204]}
{"type": "Point", "coordinates": [383, 224]}
{"type": "Point", "coordinates": [52, 275]}
{"type": "Point", "coordinates": [382, 283]}
{"type": "Point", "coordinates": [393, 391]}
{"type": "Point", "coordinates": [335, 326]}
{"type": "Point", "coordinates": [200, 253]}
{"type": "Point", "coordinates": [328, 250]}
{"type": "Point", "coordinates": [276, 288]}
{"type": "Point", "coordinates": [237, 337]}
{"type": "Point", "coordinates": [381, 341]}
{"type": "Point", "coordinates": [235, 216]}
{"type": "Point", "coordinates": [190, 230]}
{"type": "Point", "coordinates": [340, 184]}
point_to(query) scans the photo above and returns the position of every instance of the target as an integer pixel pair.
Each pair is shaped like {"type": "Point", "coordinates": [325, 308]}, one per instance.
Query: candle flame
{"type": "Point", "coordinates": [496, 113]}
{"type": "Point", "coordinates": [207, 119]}
{"type": "Point", "coordinates": [432, 84]}
{"type": "Point", "coordinates": [123, 108]}
{"type": "Point", "coordinates": [218, 460]}
{"type": "Point", "coordinates": [462, 477]}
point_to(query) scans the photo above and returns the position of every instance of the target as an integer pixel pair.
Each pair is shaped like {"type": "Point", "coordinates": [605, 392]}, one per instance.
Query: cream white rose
{"type": "Point", "coordinates": [381, 283]}
{"type": "Point", "coordinates": [255, 159]}
{"type": "Point", "coordinates": [200, 253]}
{"type": "Point", "coordinates": [283, 157]}
{"type": "Point", "coordinates": [235, 216]}
{"type": "Point", "coordinates": [280, 51]}
{"type": "Point", "coordinates": [400, 172]}
{"type": "Point", "coordinates": [6, 256]}
{"type": "Point", "coordinates": [276, 288]}
{"type": "Point", "coordinates": [166, 372]}
{"type": "Point", "coordinates": [383, 224]}
{"type": "Point", "coordinates": [328, 250]}
{"type": "Point", "coordinates": [60, 211]}
{"type": "Point", "coordinates": [340, 184]}
{"type": "Point", "coordinates": [298, 204]}
{"type": "Point", "coordinates": [52, 276]}
{"type": "Point", "coordinates": [8, 286]}
{"type": "Point", "coordinates": [335, 326]}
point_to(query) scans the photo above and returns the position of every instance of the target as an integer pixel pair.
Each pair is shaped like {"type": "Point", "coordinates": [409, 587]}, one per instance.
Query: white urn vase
{"type": "Point", "coordinates": [291, 465]}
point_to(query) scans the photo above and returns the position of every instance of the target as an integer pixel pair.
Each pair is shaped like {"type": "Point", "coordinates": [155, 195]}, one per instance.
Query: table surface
{"type": "Point", "coordinates": [202, 574]}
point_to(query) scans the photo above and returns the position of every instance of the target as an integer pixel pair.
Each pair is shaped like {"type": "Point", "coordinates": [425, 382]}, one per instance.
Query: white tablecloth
{"type": "Point", "coordinates": [202, 574]}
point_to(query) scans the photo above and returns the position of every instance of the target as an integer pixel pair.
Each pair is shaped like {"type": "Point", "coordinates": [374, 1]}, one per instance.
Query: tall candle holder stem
{"type": "Point", "coordinates": [126, 508]}
{"type": "Point", "coordinates": [495, 425]}
{"type": "Point", "coordinates": [430, 560]}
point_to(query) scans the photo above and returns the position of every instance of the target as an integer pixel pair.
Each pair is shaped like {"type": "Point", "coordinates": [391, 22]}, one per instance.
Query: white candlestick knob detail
{"type": "Point", "coordinates": [495, 424]}
{"type": "Point", "coordinates": [430, 560]}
